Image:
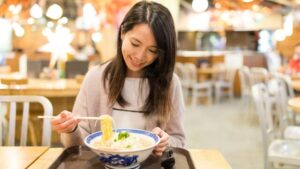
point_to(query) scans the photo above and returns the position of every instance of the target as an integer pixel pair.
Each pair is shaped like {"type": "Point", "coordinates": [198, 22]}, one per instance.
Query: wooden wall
{"type": "Point", "coordinates": [286, 47]}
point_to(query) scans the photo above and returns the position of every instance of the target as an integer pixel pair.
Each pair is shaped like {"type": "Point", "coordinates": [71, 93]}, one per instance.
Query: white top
{"type": "Point", "coordinates": [133, 115]}
{"type": "Point", "coordinates": [126, 119]}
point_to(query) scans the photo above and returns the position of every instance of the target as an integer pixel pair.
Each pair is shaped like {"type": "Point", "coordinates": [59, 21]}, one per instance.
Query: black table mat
{"type": "Point", "coordinates": [81, 157]}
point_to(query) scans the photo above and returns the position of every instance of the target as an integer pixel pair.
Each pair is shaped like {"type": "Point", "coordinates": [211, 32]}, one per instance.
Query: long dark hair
{"type": "Point", "coordinates": [160, 72]}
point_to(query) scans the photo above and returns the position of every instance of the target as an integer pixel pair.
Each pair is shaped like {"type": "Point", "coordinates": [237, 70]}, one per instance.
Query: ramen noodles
{"type": "Point", "coordinates": [106, 123]}
{"type": "Point", "coordinates": [120, 140]}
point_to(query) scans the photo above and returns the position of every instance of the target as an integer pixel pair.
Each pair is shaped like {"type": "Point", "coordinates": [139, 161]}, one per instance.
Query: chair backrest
{"type": "Point", "coordinates": [258, 75]}
{"type": "Point", "coordinates": [178, 69]}
{"type": "Point", "coordinates": [244, 75]}
{"type": "Point", "coordinates": [230, 75]}
{"type": "Point", "coordinates": [287, 82]}
{"type": "Point", "coordinates": [281, 96]}
{"type": "Point", "coordinates": [192, 72]}
{"type": "Point", "coordinates": [263, 107]}
{"type": "Point", "coordinates": [12, 101]}
{"type": "Point", "coordinates": [221, 75]}
{"type": "Point", "coordinates": [182, 72]}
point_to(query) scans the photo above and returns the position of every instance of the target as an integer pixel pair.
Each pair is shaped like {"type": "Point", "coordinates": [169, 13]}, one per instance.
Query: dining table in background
{"type": "Point", "coordinates": [296, 85]}
{"type": "Point", "coordinates": [205, 73]}
{"type": "Point", "coordinates": [43, 87]}
{"type": "Point", "coordinates": [294, 104]}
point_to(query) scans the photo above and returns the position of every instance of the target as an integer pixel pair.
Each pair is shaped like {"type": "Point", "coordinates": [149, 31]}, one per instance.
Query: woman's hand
{"type": "Point", "coordinates": [164, 141]}
{"type": "Point", "coordinates": [64, 122]}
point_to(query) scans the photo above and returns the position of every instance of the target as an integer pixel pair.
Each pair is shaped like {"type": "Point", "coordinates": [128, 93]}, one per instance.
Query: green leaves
{"type": "Point", "coordinates": [123, 135]}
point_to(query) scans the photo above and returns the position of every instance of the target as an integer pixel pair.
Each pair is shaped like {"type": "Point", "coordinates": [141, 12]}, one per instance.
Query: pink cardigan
{"type": "Point", "coordinates": [92, 100]}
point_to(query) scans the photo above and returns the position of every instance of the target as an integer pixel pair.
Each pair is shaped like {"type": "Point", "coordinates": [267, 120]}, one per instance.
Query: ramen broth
{"type": "Point", "coordinates": [123, 141]}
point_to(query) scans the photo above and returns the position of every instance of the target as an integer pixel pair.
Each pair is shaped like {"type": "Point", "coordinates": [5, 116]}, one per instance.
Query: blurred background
{"type": "Point", "coordinates": [224, 48]}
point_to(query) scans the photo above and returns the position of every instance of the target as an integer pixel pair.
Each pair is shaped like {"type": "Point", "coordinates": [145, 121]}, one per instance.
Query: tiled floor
{"type": "Point", "coordinates": [224, 126]}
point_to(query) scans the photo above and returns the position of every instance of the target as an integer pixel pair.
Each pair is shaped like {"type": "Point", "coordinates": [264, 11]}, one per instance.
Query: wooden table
{"type": "Point", "coordinates": [209, 71]}
{"type": "Point", "coordinates": [47, 158]}
{"type": "Point", "coordinates": [294, 104]}
{"type": "Point", "coordinates": [296, 84]}
{"type": "Point", "coordinates": [203, 159]}
{"type": "Point", "coordinates": [19, 157]}
{"type": "Point", "coordinates": [43, 157]}
{"type": "Point", "coordinates": [295, 77]}
{"type": "Point", "coordinates": [47, 88]}
{"type": "Point", "coordinates": [208, 159]}
{"type": "Point", "coordinates": [13, 78]}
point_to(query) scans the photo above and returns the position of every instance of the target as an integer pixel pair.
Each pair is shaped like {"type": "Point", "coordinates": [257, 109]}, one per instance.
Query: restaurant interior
{"type": "Point", "coordinates": [238, 62]}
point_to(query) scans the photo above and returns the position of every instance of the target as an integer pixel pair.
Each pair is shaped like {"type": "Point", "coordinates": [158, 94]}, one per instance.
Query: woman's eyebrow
{"type": "Point", "coordinates": [136, 40]}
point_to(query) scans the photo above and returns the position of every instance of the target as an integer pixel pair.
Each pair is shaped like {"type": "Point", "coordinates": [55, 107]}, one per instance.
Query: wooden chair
{"type": "Point", "coordinates": [12, 101]}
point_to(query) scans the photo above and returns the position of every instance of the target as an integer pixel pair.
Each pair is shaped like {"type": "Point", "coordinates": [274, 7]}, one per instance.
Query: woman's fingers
{"type": "Point", "coordinates": [64, 122]}
{"type": "Point", "coordinates": [164, 137]}
{"type": "Point", "coordinates": [164, 141]}
{"type": "Point", "coordinates": [159, 151]}
{"type": "Point", "coordinates": [67, 126]}
{"type": "Point", "coordinates": [157, 131]}
{"type": "Point", "coordinates": [163, 144]}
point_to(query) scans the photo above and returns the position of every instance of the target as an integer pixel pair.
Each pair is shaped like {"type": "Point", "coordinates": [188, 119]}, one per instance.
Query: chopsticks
{"type": "Point", "coordinates": [77, 117]}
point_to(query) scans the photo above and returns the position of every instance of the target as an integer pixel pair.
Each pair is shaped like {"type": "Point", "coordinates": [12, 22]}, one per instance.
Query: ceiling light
{"type": "Point", "coordinates": [36, 11]}
{"type": "Point", "coordinates": [54, 12]}
{"type": "Point", "coordinates": [96, 37]}
{"type": "Point", "coordinates": [200, 5]}
{"type": "Point", "coordinates": [247, 1]}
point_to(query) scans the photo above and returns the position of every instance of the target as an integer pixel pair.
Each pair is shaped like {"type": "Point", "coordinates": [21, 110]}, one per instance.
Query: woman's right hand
{"type": "Point", "coordinates": [65, 122]}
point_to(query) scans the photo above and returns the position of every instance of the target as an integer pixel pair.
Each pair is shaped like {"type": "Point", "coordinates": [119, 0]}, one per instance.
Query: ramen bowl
{"type": "Point", "coordinates": [116, 158]}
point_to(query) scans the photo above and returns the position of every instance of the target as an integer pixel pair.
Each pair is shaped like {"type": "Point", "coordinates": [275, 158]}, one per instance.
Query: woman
{"type": "Point", "coordinates": [138, 87]}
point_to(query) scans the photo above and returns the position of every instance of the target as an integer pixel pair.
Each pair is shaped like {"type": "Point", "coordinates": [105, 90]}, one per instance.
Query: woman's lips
{"type": "Point", "coordinates": [136, 64]}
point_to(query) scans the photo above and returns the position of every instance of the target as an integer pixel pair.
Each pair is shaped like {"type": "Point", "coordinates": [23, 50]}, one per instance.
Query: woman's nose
{"type": "Point", "coordinates": [140, 55]}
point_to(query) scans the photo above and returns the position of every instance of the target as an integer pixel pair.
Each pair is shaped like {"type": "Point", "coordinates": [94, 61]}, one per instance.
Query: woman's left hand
{"type": "Point", "coordinates": [164, 141]}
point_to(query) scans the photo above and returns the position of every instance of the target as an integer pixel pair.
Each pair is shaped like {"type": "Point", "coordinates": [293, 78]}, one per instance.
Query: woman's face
{"type": "Point", "coordinates": [139, 49]}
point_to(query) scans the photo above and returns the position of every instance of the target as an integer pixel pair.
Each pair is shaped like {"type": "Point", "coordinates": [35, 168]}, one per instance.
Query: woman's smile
{"type": "Point", "coordinates": [136, 63]}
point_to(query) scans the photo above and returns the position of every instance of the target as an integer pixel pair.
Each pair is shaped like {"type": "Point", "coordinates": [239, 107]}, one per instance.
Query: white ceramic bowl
{"type": "Point", "coordinates": [123, 159]}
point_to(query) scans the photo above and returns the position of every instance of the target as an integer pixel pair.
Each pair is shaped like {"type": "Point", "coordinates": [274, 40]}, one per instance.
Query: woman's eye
{"type": "Point", "coordinates": [134, 44]}
{"type": "Point", "coordinates": [153, 51]}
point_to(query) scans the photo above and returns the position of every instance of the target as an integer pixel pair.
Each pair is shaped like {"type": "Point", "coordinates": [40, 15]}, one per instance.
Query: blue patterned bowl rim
{"type": "Point", "coordinates": [153, 136]}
